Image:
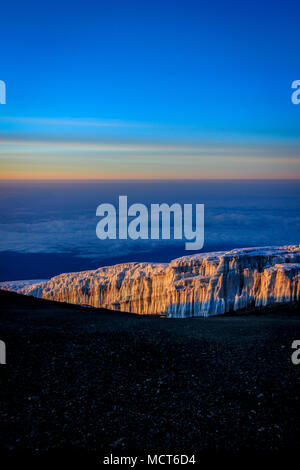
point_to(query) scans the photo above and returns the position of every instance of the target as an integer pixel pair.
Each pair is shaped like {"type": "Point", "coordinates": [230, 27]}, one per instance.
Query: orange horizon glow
{"type": "Point", "coordinates": [54, 160]}
{"type": "Point", "coordinates": [145, 178]}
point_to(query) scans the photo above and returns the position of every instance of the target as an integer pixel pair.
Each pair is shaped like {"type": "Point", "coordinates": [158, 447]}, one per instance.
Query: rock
{"type": "Point", "coordinates": [119, 442]}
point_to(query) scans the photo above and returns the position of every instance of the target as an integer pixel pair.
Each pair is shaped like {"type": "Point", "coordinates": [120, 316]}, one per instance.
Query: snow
{"type": "Point", "coordinates": [202, 284]}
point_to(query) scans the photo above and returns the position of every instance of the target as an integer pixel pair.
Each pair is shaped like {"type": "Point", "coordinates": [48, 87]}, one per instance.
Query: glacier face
{"type": "Point", "coordinates": [195, 285]}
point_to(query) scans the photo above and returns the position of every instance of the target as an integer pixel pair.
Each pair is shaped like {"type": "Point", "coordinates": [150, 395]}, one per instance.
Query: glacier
{"type": "Point", "coordinates": [201, 284]}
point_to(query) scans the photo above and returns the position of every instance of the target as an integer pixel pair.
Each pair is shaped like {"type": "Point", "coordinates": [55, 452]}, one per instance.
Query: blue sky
{"type": "Point", "coordinates": [151, 71]}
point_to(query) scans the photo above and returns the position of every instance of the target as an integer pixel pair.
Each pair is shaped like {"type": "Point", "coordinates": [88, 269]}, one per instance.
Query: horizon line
{"type": "Point", "coordinates": [151, 179]}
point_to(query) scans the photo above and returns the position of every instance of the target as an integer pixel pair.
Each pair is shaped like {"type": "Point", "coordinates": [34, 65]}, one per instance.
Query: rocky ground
{"type": "Point", "coordinates": [94, 380]}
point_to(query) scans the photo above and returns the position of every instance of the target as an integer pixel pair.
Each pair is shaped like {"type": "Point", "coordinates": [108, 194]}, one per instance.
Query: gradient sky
{"type": "Point", "coordinates": [149, 89]}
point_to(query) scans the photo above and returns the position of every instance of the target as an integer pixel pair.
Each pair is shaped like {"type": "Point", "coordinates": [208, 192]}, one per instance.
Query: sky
{"type": "Point", "coordinates": [149, 90]}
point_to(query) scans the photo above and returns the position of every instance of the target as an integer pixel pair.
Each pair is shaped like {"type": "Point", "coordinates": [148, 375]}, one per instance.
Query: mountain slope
{"type": "Point", "coordinates": [90, 379]}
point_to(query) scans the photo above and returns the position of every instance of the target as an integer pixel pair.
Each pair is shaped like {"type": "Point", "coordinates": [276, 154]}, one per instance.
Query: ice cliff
{"type": "Point", "coordinates": [196, 285]}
